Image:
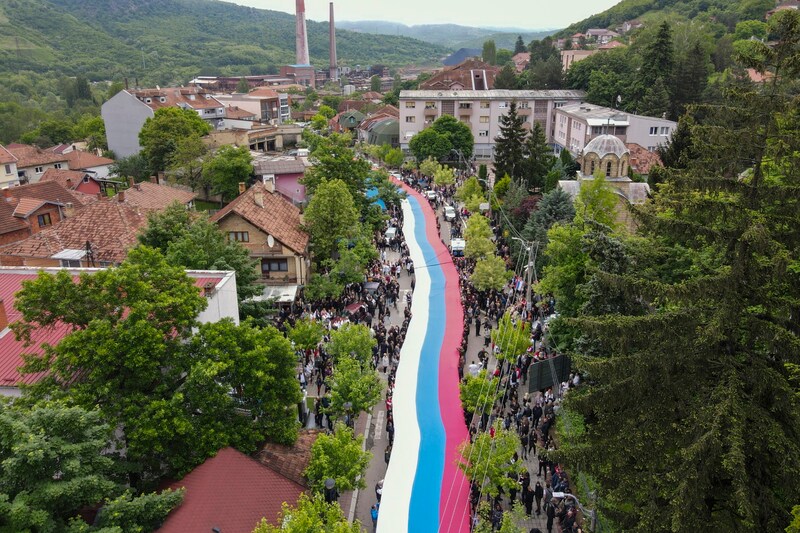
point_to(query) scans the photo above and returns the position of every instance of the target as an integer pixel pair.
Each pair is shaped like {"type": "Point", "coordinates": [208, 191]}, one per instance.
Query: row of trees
{"type": "Point", "coordinates": [687, 330]}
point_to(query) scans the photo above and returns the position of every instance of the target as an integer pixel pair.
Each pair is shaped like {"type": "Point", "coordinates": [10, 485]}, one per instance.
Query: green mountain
{"type": "Point", "coordinates": [726, 12]}
{"type": "Point", "coordinates": [449, 35]}
{"type": "Point", "coordinates": [167, 41]}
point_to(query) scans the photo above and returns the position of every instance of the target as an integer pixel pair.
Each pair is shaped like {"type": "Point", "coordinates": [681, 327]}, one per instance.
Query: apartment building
{"type": "Point", "coordinates": [576, 124]}
{"type": "Point", "coordinates": [481, 111]}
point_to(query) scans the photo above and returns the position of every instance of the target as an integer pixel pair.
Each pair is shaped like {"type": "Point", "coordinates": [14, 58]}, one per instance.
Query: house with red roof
{"type": "Point", "coordinates": [90, 163]}
{"type": "Point", "coordinates": [8, 168]}
{"type": "Point", "coordinates": [152, 196]}
{"type": "Point", "coordinates": [219, 287]}
{"type": "Point", "coordinates": [32, 161]}
{"type": "Point", "coordinates": [270, 227]}
{"type": "Point", "coordinates": [28, 209]}
{"type": "Point", "coordinates": [230, 493]}
{"type": "Point", "coordinates": [73, 180]}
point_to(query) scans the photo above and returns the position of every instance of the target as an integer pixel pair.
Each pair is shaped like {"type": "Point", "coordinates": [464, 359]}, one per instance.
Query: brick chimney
{"type": "Point", "coordinates": [121, 196]}
{"type": "Point", "coordinates": [69, 209]}
{"type": "Point", "coordinates": [258, 197]}
{"type": "Point", "coordinates": [3, 315]}
{"type": "Point", "coordinates": [131, 181]}
{"type": "Point", "coordinates": [69, 183]}
{"type": "Point", "coordinates": [154, 179]}
{"type": "Point", "coordinates": [242, 187]}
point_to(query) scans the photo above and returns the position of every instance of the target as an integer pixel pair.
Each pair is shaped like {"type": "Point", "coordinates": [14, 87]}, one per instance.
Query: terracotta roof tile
{"type": "Point", "coordinates": [80, 160]}
{"type": "Point", "coordinates": [463, 74]}
{"type": "Point", "coordinates": [290, 461]}
{"type": "Point", "coordinates": [8, 222]}
{"type": "Point", "coordinates": [173, 96]}
{"type": "Point", "coordinates": [263, 92]}
{"type": "Point", "coordinates": [69, 179]}
{"type": "Point", "coordinates": [6, 157]}
{"type": "Point", "coordinates": [641, 159]}
{"type": "Point", "coordinates": [277, 217]}
{"type": "Point", "coordinates": [236, 112]}
{"type": "Point", "coordinates": [111, 227]}
{"type": "Point", "coordinates": [26, 206]}
{"type": "Point", "coordinates": [155, 197]}
{"type": "Point", "coordinates": [230, 491]}
{"type": "Point", "coordinates": [43, 190]}
{"type": "Point", "coordinates": [31, 156]}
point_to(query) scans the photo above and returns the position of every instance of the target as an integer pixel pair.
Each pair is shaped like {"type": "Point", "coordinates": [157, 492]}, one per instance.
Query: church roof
{"type": "Point", "coordinates": [603, 145]}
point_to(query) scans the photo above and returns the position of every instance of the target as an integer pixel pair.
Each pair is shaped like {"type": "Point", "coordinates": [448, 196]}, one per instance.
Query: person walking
{"type": "Point", "coordinates": [538, 493]}
{"type": "Point", "coordinates": [374, 514]}
{"type": "Point", "coordinates": [527, 499]}
{"type": "Point", "coordinates": [550, 510]}
{"type": "Point", "coordinates": [477, 326]}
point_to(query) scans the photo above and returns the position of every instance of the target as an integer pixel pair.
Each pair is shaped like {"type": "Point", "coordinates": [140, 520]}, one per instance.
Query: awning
{"type": "Point", "coordinates": [279, 293]}
{"type": "Point", "coordinates": [352, 308]}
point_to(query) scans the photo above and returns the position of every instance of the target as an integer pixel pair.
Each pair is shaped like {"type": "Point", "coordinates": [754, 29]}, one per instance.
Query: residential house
{"type": "Point", "coordinates": [600, 35]}
{"type": "Point", "coordinates": [96, 235]}
{"type": "Point", "coordinates": [372, 96]}
{"type": "Point", "coordinates": [8, 163]}
{"type": "Point", "coordinates": [125, 113]}
{"type": "Point", "coordinates": [380, 129]}
{"type": "Point", "coordinates": [269, 226]}
{"type": "Point", "coordinates": [784, 6]}
{"type": "Point", "coordinates": [629, 26]}
{"type": "Point", "coordinates": [73, 180]}
{"type": "Point", "coordinates": [521, 61]}
{"type": "Point", "coordinates": [268, 105]}
{"type": "Point", "coordinates": [230, 493]}
{"type": "Point", "coordinates": [642, 160]}
{"type": "Point", "coordinates": [578, 123]}
{"type": "Point", "coordinates": [31, 208]}
{"type": "Point", "coordinates": [32, 161]}
{"type": "Point", "coordinates": [151, 196]}
{"type": "Point", "coordinates": [348, 120]}
{"type": "Point", "coordinates": [481, 111]}
{"type": "Point", "coordinates": [93, 164]}
{"type": "Point", "coordinates": [568, 57]}
{"type": "Point", "coordinates": [285, 173]}
{"type": "Point", "coordinates": [471, 75]}
{"type": "Point", "coordinates": [219, 288]}
{"type": "Point", "coordinates": [234, 112]}
{"type": "Point", "coordinates": [290, 461]}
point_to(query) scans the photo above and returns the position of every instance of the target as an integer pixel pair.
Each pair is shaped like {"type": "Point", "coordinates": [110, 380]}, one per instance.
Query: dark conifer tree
{"type": "Point", "coordinates": [509, 148]}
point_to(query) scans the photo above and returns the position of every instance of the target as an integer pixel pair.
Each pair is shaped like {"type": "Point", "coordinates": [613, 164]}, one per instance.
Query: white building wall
{"type": "Point", "coordinates": [223, 303]}
{"type": "Point", "coordinates": [124, 116]}
{"type": "Point", "coordinates": [8, 175]}
{"type": "Point", "coordinates": [101, 172]}
{"type": "Point", "coordinates": [641, 130]}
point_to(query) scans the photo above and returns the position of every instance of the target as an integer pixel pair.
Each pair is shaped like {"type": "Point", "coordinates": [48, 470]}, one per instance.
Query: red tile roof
{"type": "Point", "coordinates": [278, 217]}
{"type": "Point", "coordinates": [19, 201]}
{"type": "Point", "coordinates": [80, 160]}
{"type": "Point", "coordinates": [232, 492]}
{"type": "Point", "coordinates": [464, 74]}
{"type": "Point", "coordinates": [110, 226]}
{"type": "Point", "coordinates": [6, 157]}
{"type": "Point", "coordinates": [177, 95]}
{"type": "Point", "coordinates": [11, 349]}
{"type": "Point", "coordinates": [641, 159]}
{"type": "Point", "coordinates": [236, 112]}
{"type": "Point", "coordinates": [69, 179]}
{"type": "Point", "coordinates": [32, 156]}
{"type": "Point", "coordinates": [290, 461]}
{"type": "Point", "coordinates": [47, 190]}
{"type": "Point", "coordinates": [26, 206]}
{"type": "Point", "coordinates": [155, 197]}
{"type": "Point", "coordinates": [263, 92]}
{"type": "Point", "coordinates": [8, 222]}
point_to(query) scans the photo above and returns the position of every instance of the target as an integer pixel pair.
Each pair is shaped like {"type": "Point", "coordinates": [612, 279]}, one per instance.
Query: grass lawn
{"type": "Point", "coordinates": [203, 205]}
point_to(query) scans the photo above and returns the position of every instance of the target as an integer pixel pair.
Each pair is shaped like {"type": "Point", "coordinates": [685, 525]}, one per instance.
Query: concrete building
{"type": "Point", "coordinates": [568, 57]}
{"type": "Point", "coordinates": [481, 111]}
{"type": "Point", "coordinates": [32, 162]}
{"type": "Point", "coordinates": [125, 113]}
{"type": "Point", "coordinates": [8, 171]}
{"type": "Point", "coordinates": [268, 105]}
{"type": "Point", "coordinates": [577, 124]}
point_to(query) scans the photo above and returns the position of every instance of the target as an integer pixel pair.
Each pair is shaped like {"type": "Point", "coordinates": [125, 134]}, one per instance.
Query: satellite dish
{"type": "Point", "coordinates": [270, 241]}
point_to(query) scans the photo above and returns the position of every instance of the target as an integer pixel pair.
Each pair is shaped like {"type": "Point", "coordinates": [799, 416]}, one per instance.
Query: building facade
{"type": "Point", "coordinates": [481, 111]}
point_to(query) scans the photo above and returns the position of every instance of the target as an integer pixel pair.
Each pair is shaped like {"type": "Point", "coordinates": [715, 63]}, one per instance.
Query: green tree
{"type": "Point", "coordinates": [471, 187]}
{"type": "Point", "coordinates": [113, 89]}
{"type": "Point", "coordinates": [394, 158]}
{"type": "Point", "coordinates": [504, 56]}
{"type": "Point", "coordinates": [555, 206]}
{"type": "Point", "coordinates": [134, 166]}
{"type": "Point", "coordinates": [478, 237]}
{"type": "Point", "coordinates": [91, 129]}
{"type": "Point", "coordinates": [335, 160]}
{"type": "Point", "coordinates": [477, 393]}
{"type": "Point", "coordinates": [429, 167]}
{"type": "Point", "coordinates": [458, 133]}
{"type": "Point", "coordinates": [509, 148]}
{"type": "Point", "coordinates": [319, 123]}
{"type": "Point", "coordinates": [136, 514]}
{"type": "Point", "coordinates": [565, 270]}
{"type": "Point", "coordinates": [330, 216]}
{"type": "Point", "coordinates": [658, 58]}
{"type": "Point", "coordinates": [545, 74]}
{"type": "Point", "coordinates": [444, 176]}
{"type": "Point", "coordinates": [506, 78]}
{"type": "Point", "coordinates": [375, 83]}
{"type": "Point", "coordinates": [519, 46]}
{"type": "Point", "coordinates": [692, 80]}
{"type": "Point", "coordinates": [351, 383]}
{"type": "Point", "coordinates": [338, 457]}
{"type": "Point", "coordinates": [655, 102]}
{"type": "Point", "coordinates": [242, 87]}
{"type": "Point", "coordinates": [311, 514]}
{"type": "Point", "coordinates": [187, 161]}
{"type": "Point", "coordinates": [353, 341]}
{"type": "Point", "coordinates": [306, 334]}
{"type": "Point", "coordinates": [327, 111]}
{"type": "Point", "coordinates": [228, 167]}
{"type": "Point", "coordinates": [430, 144]}
{"type": "Point", "coordinates": [596, 201]}
{"type": "Point", "coordinates": [750, 28]}
{"type": "Point", "coordinates": [538, 157]}
{"type": "Point", "coordinates": [489, 53]}
{"type": "Point", "coordinates": [487, 461]}
{"type": "Point", "coordinates": [490, 273]}
{"type": "Point", "coordinates": [512, 336]}
{"type": "Point", "coordinates": [160, 134]}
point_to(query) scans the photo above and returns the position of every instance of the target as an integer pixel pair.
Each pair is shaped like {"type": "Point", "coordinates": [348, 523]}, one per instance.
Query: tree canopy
{"type": "Point", "coordinates": [161, 133]}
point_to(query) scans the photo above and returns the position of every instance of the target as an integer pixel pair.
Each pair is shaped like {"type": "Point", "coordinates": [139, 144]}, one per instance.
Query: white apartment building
{"type": "Point", "coordinates": [576, 124]}
{"type": "Point", "coordinates": [481, 111]}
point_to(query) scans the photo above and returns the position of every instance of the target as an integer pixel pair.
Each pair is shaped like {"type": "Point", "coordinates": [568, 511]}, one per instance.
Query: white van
{"type": "Point", "coordinates": [390, 234]}
{"type": "Point", "coordinates": [449, 213]}
{"type": "Point", "coordinates": [457, 247]}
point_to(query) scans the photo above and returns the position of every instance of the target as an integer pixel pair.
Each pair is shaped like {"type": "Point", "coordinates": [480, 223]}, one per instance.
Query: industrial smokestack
{"type": "Point", "coordinates": [334, 68]}
{"type": "Point", "coordinates": [301, 39]}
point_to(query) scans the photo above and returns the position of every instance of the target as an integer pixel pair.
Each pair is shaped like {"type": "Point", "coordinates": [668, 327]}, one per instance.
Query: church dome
{"type": "Point", "coordinates": [604, 145]}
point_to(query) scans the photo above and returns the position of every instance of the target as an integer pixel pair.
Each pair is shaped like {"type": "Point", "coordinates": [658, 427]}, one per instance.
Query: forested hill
{"type": "Point", "coordinates": [727, 12]}
{"type": "Point", "coordinates": [166, 41]}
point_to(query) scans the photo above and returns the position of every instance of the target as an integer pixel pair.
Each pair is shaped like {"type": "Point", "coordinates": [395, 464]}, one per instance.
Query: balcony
{"type": "Point", "coordinates": [524, 111]}
{"type": "Point", "coordinates": [464, 110]}
{"type": "Point", "coordinates": [278, 278]}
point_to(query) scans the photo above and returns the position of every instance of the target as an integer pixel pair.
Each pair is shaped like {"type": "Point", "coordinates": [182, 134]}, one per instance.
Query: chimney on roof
{"type": "Point", "coordinates": [159, 177]}
{"type": "Point", "coordinates": [131, 181]}
{"type": "Point", "coordinates": [209, 288]}
{"type": "Point", "coordinates": [3, 315]}
{"type": "Point", "coordinates": [6, 193]}
{"type": "Point", "coordinates": [334, 73]}
{"type": "Point", "coordinates": [153, 179]}
{"type": "Point", "coordinates": [121, 196]}
{"type": "Point", "coordinates": [258, 197]}
{"type": "Point", "coordinates": [69, 209]}
{"type": "Point", "coordinates": [138, 186]}
{"type": "Point", "coordinates": [269, 184]}
{"type": "Point", "coordinates": [69, 183]}
{"type": "Point", "coordinates": [242, 187]}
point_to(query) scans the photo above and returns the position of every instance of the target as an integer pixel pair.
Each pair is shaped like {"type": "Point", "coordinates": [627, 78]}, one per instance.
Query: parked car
{"type": "Point", "coordinates": [449, 213]}
{"type": "Point", "coordinates": [430, 195]}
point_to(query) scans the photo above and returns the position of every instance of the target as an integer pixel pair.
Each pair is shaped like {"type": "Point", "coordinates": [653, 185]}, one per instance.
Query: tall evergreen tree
{"type": "Point", "coordinates": [692, 418]}
{"type": "Point", "coordinates": [538, 157]}
{"type": "Point", "coordinates": [691, 79]}
{"type": "Point", "coordinates": [519, 46]}
{"type": "Point", "coordinates": [658, 58]}
{"type": "Point", "coordinates": [656, 100]}
{"type": "Point", "coordinates": [509, 148]}
{"type": "Point", "coordinates": [489, 53]}
{"type": "Point", "coordinates": [506, 78]}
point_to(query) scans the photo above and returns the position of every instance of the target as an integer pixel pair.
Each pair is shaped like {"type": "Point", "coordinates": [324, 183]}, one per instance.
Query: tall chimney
{"type": "Point", "coordinates": [334, 75]}
{"type": "Point", "coordinates": [301, 39]}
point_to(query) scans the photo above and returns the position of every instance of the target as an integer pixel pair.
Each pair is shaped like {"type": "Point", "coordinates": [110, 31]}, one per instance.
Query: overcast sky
{"type": "Point", "coordinates": [525, 14]}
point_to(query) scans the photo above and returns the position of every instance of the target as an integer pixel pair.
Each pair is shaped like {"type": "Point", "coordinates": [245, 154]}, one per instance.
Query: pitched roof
{"type": "Point", "coordinates": [191, 97]}
{"type": "Point", "coordinates": [69, 179]}
{"type": "Point", "coordinates": [26, 206]}
{"type": "Point", "coordinates": [80, 160]}
{"type": "Point", "coordinates": [278, 217]}
{"type": "Point", "coordinates": [471, 74]}
{"type": "Point", "coordinates": [6, 157]}
{"type": "Point", "coordinates": [641, 159]}
{"type": "Point", "coordinates": [155, 197]}
{"type": "Point", "coordinates": [232, 492]}
{"type": "Point", "coordinates": [42, 190]}
{"type": "Point", "coordinates": [263, 92]}
{"type": "Point", "coordinates": [388, 110]}
{"type": "Point", "coordinates": [11, 349]}
{"type": "Point", "coordinates": [236, 112]}
{"type": "Point", "coordinates": [31, 156]}
{"type": "Point", "coordinates": [290, 461]}
{"type": "Point", "coordinates": [111, 227]}
{"type": "Point", "coordinates": [372, 95]}
{"type": "Point", "coordinates": [8, 222]}
{"type": "Point", "coordinates": [293, 165]}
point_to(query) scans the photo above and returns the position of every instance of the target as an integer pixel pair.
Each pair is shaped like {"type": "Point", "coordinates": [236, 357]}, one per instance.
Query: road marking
{"type": "Point", "coordinates": [378, 426]}
{"type": "Point", "coordinates": [352, 514]}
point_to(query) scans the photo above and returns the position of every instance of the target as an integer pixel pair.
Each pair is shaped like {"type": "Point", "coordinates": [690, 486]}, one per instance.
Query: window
{"type": "Point", "coordinates": [654, 130]}
{"type": "Point", "coordinates": [8, 169]}
{"type": "Point", "coordinates": [503, 105]}
{"type": "Point", "coordinates": [38, 170]}
{"type": "Point", "coordinates": [105, 264]}
{"type": "Point", "coordinates": [239, 236]}
{"type": "Point", "coordinates": [651, 148]}
{"type": "Point", "coordinates": [483, 133]}
{"type": "Point", "coordinates": [524, 118]}
{"type": "Point", "coordinates": [70, 263]}
{"type": "Point", "coordinates": [411, 119]}
{"type": "Point", "coordinates": [44, 220]}
{"type": "Point", "coordinates": [524, 105]}
{"type": "Point", "coordinates": [86, 179]}
{"type": "Point", "coordinates": [665, 130]}
{"type": "Point", "coordinates": [465, 105]}
{"type": "Point", "coordinates": [608, 169]}
{"type": "Point", "coordinates": [430, 105]}
{"type": "Point", "coordinates": [484, 120]}
{"type": "Point", "coordinates": [484, 105]}
{"type": "Point", "coordinates": [559, 104]}
{"type": "Point", "coordinates": [592, 171]}
{"type": "Point", "coordinates": [274, 265]}
{"type": "Point", "coordinates": [411, 105]}
{"type": "Point", "coordinates": [58, 166]}
{"type": "Point", "coordinates": [465, 118]}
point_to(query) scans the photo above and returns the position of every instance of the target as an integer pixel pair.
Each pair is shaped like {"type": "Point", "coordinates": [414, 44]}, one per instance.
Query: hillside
{"type": "Point", "coordinates": [167, 41]}
{"type": "Point", "coordinates": [727, 12]}
{"type": "Point", "coordinates": [449, 35]}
